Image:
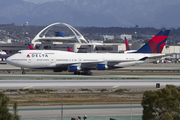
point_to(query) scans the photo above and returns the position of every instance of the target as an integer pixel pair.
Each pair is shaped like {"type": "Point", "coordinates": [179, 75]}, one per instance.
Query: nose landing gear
{"type": "Point", "coordinates": [23, 71]}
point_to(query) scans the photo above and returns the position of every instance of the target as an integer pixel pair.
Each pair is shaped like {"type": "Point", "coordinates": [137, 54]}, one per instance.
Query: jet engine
{"type": "Point", "coordinates": [101, 67]}
{"type": "Point", "coordinates": [73, 68]}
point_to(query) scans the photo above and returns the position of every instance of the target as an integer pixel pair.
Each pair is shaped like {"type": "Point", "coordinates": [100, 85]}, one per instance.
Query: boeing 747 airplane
{"type": "Point", "coordinates": [83, 63]}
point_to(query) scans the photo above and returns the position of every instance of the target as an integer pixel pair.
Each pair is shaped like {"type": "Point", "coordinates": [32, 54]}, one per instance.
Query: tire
{"type": "Point", "coordinates": [90, 73]}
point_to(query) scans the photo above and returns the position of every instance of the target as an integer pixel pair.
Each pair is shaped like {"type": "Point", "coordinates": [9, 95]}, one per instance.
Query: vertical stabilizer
{"type": "Point", "coordinates": [30, 46]}
{"type": "Point", "coordinates": [127, 44]}
{"type": "Point", "coordinates": [69, 49]}
{"type": "Point", "coordinates": [156, 44]}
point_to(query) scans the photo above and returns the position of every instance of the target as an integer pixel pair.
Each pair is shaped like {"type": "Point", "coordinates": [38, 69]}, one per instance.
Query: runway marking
{"type": "Point", "coordinates": [27, 87]}
{"type": "Point", "coordinates": [115, 86]}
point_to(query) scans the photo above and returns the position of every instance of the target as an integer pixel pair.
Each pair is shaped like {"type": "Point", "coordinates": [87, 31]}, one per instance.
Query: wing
{"type": "Point", "coordinates": [91, 64]}
{"type": "Point", "coordinates": [156, 57]}
{"type": "Point", "coordinates": [75, 63]}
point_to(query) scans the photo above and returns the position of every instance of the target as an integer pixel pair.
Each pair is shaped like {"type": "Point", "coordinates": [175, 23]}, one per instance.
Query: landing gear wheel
{"type": "Point", "coordinates": [77, 73]}
{"type": "Point", "coordinates": [90, 73]}
{"type": "Point", "coordinates": [23, 72]}
{"type": "Point", "coordinates": [87, 73]}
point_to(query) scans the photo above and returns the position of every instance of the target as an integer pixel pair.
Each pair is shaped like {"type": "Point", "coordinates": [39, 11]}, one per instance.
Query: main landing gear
{"type": "Point", "coordinates": [83, 73]}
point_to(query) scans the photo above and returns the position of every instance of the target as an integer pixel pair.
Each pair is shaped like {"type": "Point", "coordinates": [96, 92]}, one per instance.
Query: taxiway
{"type": "Point", "coordinates": [79, 110]}
{"type": "Point", "coordinates": [11, 81]}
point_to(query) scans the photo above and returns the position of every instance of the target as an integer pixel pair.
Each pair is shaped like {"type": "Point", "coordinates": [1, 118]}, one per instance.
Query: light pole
{"type": "Point", "coordinates": [62, 107]}
{"type": "Point", "coordinates": [131, 107]}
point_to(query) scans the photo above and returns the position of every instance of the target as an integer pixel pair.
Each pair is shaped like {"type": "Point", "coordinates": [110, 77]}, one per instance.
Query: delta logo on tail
{"type": "Point", "coordinates": [127, 44]}
{"type": "Point", "coordinates": [69, 49]}
{"type": "Point", "coordinates": [156, 44]}
{"type": "Point", "coordinates": [30, 46]}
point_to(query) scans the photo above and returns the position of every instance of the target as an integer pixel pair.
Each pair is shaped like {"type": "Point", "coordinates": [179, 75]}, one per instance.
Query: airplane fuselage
{"type": "Point", "coordinates": [76, 62]}
{"type": "Point", "coordinates": [54, 59]}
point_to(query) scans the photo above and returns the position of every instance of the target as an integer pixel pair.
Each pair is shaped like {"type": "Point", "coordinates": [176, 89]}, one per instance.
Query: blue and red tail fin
{"type": "Point", "coordinates": [30, 46]}
{"type": "Point", "coordinates": [69, 49]}
{"type": "Point", "coordinates": [156, 44]}
{"type": "Point", "coordinates": [127, 45]}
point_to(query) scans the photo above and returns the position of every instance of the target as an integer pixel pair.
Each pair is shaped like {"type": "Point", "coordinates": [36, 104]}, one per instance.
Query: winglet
{"type": "Point", "coordinates": [156, 44]}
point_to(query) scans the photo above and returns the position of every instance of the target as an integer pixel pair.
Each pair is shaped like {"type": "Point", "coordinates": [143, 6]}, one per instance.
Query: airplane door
{"type": "Point", "coordinates": [52, 60]}
{"type": "Point", "coordinates": [29, 60]}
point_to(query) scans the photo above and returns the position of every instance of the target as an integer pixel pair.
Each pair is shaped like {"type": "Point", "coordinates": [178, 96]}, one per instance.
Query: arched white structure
{"type": "Point", "coordinates": [77, 34]}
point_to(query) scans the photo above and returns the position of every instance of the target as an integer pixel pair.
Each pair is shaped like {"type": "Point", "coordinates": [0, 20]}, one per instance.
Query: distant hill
{"type": "Point", "coordinates": [99, 13]}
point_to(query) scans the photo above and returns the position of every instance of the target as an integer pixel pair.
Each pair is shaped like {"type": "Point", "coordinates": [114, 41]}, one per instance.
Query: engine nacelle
{"type": "Point", "coordinates": [73, 68]}
{"type": "Point", "coordinates": [101, 67]}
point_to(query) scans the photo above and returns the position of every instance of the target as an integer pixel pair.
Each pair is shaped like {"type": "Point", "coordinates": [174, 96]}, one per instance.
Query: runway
{"type": "Point", "coordinates": [87, 83]}
{"type": "Point", "coordinates": [81, 77]}
{"type": "Point", "coordinates": [138, 67]}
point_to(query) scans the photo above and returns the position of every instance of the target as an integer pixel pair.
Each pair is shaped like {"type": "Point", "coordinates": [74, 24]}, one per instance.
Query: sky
{"type": "Point", "coordinates": [41, 1]}
{"type": "Point", "coordinates": [153, 13]}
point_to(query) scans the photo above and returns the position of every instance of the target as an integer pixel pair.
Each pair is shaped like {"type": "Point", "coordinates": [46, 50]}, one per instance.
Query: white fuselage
{"type": "Point", "coordinates": [53, 58]}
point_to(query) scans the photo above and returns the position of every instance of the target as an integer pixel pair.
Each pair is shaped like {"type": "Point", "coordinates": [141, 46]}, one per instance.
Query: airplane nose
{"type": "Point", "coordinates": [8, 60]}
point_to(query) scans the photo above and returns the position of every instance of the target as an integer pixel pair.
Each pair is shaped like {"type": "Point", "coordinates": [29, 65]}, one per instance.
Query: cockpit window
{"type": "Point", "coordinates": [19, 52]}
